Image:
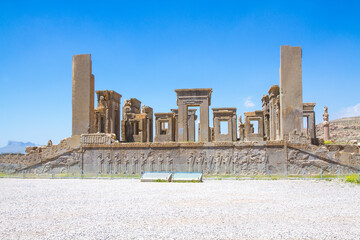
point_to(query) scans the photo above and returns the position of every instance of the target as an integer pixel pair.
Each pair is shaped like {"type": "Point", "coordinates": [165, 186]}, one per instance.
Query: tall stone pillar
{"type": "Point", "coordinates": [204, 135]}
{"type": "Point", "coordinates": [326, 124]}
{"type": "Point", "coordinates": [291, 103]}
{"type": "Point", "coordinates": [234, 128]}
{"type": "Point", "coordinates": [182, 123]}
{"type": "Point", "coordinates": [82, 95]}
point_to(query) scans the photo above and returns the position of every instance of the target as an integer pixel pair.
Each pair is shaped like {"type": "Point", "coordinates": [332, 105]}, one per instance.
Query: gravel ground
{"type": "Point", "coordinates": [128, 209]}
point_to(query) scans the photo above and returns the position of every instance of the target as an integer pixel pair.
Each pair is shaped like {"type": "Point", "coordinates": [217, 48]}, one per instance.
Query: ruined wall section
{"type": "Point", "coordinates": [102, 155]}
{"type": "Point", "coordinates": [215, 159]}
{"type": "Point", "coordinates": [39, 156]}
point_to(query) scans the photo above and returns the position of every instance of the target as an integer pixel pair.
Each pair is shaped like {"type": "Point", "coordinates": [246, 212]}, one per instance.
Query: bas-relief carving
{"type": "Point", "coordinates": [64, 162]}
{"type": "Point", "coordinates": [247, 161]}
{"type": "Point", "coordinates": [125, 163]}
{"type": "Point", "coordinates": [143, 161]}
{"type": "Point", "coordinates": [169, 162]}
{"type": "Point", "coordinates": [190, 162]}
{"type": "Point", "coordinates": [117, 161]}
{"type": "Point", "coordinates": [100, 162]}
{"type": "Point", "coordinates": [151, 160]}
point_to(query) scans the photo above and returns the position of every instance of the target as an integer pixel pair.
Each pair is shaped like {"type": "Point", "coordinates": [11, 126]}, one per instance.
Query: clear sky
{"type": "Point", "coordinates": [146, 49]}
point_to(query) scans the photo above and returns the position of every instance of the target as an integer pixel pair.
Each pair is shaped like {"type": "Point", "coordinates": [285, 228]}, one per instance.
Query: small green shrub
{"type": "Point", "coordinates": [328, 142]}
{"type": "Point", "coordinates": [353, 179]}
{"type": "Point", "coordinates": [184, 181]}
{"type": "Point", "coordinates": [160, 180]}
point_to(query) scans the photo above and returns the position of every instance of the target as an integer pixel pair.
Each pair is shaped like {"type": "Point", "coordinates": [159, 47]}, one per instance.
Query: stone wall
{"type": "Point", "coordinates": [36, 157]}
{"type": "Point", "coordinates": [221, 158]}
{"type": "Point", "coordinates": [261, 158]}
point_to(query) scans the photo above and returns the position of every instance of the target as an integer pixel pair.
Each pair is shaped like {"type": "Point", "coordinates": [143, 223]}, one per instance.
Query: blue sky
{"type": "Point", "coordinates": [146, 49]}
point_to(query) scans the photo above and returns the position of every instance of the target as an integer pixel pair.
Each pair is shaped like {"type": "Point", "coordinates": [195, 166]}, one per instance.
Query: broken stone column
{"type": "Point", "coordinates": [82, 95]}
{"type": "Point", "coordinates": [241, 129]}
{"type": "Point", "coordinates": [149, 122]}
{"type": "Point", "coordinates": [291, 103]}
{"type": "Point", "coordinates": [273, 118]}
{"type": "Point", "coordinates": [266, 112]}
{"type": "Point", "coordinates": [326, 124]}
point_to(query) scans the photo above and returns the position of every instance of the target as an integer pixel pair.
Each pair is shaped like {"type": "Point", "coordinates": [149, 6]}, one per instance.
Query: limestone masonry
{"type": "Point", "coordinates": [133, 139]}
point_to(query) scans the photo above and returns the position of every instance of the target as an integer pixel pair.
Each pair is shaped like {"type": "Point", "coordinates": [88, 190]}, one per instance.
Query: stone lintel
{"type": "Point", "coordinates": [224, 109]}
{"type": "Point", "coordinates": [164, 115]}
{"type": "Point", "coordinates": [109, 95]}
{"type": "Point", "coordinates": [194, 93]}
{"type": "Point", "coordinates": [308, 106]}
{"type": "Point", "coordinates": [254, 114]}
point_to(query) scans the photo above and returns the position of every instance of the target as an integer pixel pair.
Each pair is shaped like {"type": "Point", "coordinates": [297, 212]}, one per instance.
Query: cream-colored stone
{"type": "Point", "coordinates": [291, 112]}
{"type": "Point", "coordinates": [82, 95]}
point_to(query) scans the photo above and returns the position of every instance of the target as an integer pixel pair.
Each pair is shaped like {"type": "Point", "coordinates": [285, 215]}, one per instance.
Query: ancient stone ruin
{"type": "Point", "coordinates": [273, 139]}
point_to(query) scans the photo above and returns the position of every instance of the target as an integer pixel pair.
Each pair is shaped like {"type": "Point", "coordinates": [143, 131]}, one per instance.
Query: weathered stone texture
{"type": "Point", "coordinates": [193, 97]}
{"type": "Point", "coordinates": [309, 113]}
{"type": "Point", "coordinates": [107, 113]}
{"type": "Point", "coordinates": [82, 95]}
{"type": "Point", "coordinates": [227, 115]}
{"type": "Point", "coordinates": [136, 125]}
{"type": "Point", "coordinates": [291, 112]}
{"type": "Point", "coordinates": [164, 127]}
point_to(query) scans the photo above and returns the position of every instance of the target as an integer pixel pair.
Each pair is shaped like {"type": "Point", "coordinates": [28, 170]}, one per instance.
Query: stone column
{"type": "Point", "coordinates": [326, 124]}
{"type": "Point", "coordinates": [175, 111]}
{"type": "Point", "coordinates": [99, 123]}
{"type": "Point", "coordinates": [82, 95]}
{"type": "Point", "coordinates": [204, 135]}
{"type": "Point", "coordinates": [273, 94]}
{"type": "Point", "coordinates": [261, 127]}
{"type": "Point", "coordinates": [247, 128]}
{"type": "Point", "coordinates": [230, 130]}
{"type": "Point", "coordinates": [182, 122]}
{"type": "Point", "coordinates": [311, 125]}
{"type": "Point", "coordinates": [278, 119]}
{"type": "Point", "coordinates": [241, 129]}
{"type": "Point", "coordinates": [112, 118]}
{"type": "Point", "coordinates": [191, 124]}
{"type": "Point", "coordinates": [107, 120]}
{"type": "Point", "coordinates": [291, 103]}
{"type": "Point", "coordinates": [234, 127]}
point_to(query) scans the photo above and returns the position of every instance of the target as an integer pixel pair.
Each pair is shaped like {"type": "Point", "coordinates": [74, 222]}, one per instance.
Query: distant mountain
{"type": "Point", "coordinates": [16, 147]}
{"type": "Point", "coordinates": [342, 130]}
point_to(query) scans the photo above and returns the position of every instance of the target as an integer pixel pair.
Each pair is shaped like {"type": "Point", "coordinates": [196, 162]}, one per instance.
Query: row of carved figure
{"type": "Point", "coordinates": [218, 163]}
